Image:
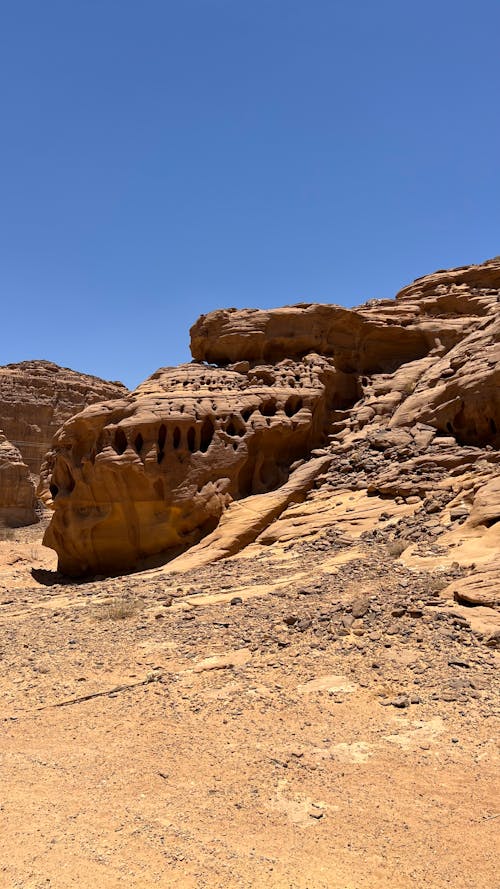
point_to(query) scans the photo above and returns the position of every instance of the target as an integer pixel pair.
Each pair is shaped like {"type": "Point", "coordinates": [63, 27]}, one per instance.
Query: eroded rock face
{"type": "Point", "coordinates": [154, 471]}
{"type": "Point", "coordinates": [37, 397]}
{"type": "Point", "coordinates": [17, 491]}
{"type": "Point", "coordinates": [401, 396]}
{"type": "Point", "coordinates": [358, 339]}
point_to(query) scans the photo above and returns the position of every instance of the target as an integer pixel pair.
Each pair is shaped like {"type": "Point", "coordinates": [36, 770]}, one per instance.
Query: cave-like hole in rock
{"type": "Point", "coordinates": [191, 443]}
{"type": "Point", "coordinates": [293, 405]}
{"type": "Point", "coordinates": [493, 521]}
{"type": "Point", "coordinates": [247, 413]}
{"type": "Point", "coordinates": [177, 437]}
{"type": "Point", "coordinates": [493, 426]}
{"type": "Point", "coordinates": [449, 427]}
{"type": "Point", "coordinates": [207, 434]}
{"type": "Point", "coordinates": [54, 491]}
{"type": "Point", "coordinates": [120, 441]}
{"type": "Point", "coordinates": [139, 443]}
{"type": "Point", "coordinates": [268, 408]}
{"type": "Point", "coordinates": [162, 437]}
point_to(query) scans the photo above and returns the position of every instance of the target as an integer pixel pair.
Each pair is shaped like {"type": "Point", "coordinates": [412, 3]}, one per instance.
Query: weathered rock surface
{"type": "Point", "coordinates": [155, 470]}
{"type": "Point", "coordinates": [400, 399]}
{"type": "Point", "coordinates": [37, 397]}
{"type": "Point", "coordinates": [17, 490]}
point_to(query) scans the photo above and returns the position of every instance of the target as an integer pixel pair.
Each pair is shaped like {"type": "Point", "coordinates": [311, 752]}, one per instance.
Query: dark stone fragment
{"type": "Point", "coordinates": [304, 624]}
{"type": "Point", "coordinates": [290, 619]}
{"type": "Point", "coordinates": [400, 701]}
{"type": "Point", "coordinates": [359, 607]}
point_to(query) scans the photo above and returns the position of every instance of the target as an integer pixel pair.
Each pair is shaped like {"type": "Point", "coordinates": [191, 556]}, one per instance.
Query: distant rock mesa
{"type": "Point", "coordinates": [17, 490]}
{"type": "Point", "coordinates": [37, 397]}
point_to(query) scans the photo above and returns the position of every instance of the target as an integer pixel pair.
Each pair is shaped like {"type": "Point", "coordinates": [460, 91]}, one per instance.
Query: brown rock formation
{"type": "Point", "coordinates": [403, 392]}
{"type": "Point", "coordinates": [154, 471]}
{"type": "Point", "coordinates": [17, 491]}
{"type": "Point", "coordinates": [37, 397]}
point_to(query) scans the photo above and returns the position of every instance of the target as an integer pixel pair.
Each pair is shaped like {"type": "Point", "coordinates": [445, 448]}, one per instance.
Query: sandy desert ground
{"type": "Point", "coordinates": [309, 715]}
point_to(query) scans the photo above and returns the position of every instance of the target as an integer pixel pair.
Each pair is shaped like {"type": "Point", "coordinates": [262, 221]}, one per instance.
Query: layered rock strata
{"type": "Point", "coordinates": [399, 396]}
{"type": "Point", "coordinates": [37, 397]}
{"type": "Point", "coordinates": [17, 491]}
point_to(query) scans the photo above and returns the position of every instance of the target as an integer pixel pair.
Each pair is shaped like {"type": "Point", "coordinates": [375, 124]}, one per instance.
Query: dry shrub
{"type": "Point", "coordinates": [437, 584]}
{"type": "Point", "coordinates": [396, 547]}
{"type": "Point", "coordinates": [118, 609]}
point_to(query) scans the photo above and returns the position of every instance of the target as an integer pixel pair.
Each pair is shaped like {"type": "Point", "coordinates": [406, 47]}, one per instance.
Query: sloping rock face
{"type": "Point", "coordinates": [17, 491]}
{"type": "Point", "coordinates": [37, 397]}
{"type": "Point", "coordinates": [399, 396]}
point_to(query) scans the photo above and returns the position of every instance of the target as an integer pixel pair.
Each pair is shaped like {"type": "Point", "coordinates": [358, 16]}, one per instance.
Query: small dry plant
{"type": "Point", "coordinates": [118, 609]}
{"type": "Point", "coordinates": [396, 547]}
{"type": "Point", "coordinates": [437, 584]}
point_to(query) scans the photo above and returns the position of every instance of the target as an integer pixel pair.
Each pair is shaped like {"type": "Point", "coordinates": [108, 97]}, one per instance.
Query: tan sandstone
{"type": "Point", "coordinates": [37, 397]}
{"type": "Point", "coordinates": [17, 490]}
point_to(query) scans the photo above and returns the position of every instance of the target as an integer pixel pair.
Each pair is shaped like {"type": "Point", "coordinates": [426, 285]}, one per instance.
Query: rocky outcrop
{"type": "Point", "coordinates": [17, 491]}
{"type": "Point", "coordinates": [400, 397]}
{"type": "Point", "coordinates": [432, 314]}
{"type": "Point", "coordinates": [359, 340]}
{"type": "Point", "coordinates": [154, 471]}
{"type": "Point", "coordinates": [37, 397]}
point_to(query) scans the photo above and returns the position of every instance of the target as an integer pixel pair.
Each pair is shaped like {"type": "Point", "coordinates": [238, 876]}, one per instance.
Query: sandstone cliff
{"type": "Point", "coordinates": [37, 397]}
{"type": "Point", "coordinates": [17, 491]}
{"type": "Point", "coordinates": [155, 470]}
{"type": "Point", "coordinates": [399, 396]}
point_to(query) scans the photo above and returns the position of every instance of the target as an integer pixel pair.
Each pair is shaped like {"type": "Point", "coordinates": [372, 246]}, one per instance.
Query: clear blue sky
{"type": "Point", "coordinates": [162, 158]}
